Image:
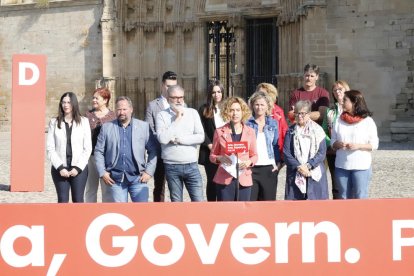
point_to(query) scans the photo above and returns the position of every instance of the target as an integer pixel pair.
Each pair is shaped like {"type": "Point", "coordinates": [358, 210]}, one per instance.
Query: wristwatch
{"type": "Point", "coordinates": [309, 166]}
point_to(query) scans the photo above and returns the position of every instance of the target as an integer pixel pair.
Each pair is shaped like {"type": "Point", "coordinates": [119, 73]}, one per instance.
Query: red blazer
{"type": "Point", "coordinates": [279, 116]}
{"type": "Point", "coordinates": [222, 135]}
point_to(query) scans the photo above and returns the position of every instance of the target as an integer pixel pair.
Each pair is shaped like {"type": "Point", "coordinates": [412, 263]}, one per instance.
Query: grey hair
{"type": "Point", "coordinates": [173, 88]}
{"type": "Point", "coordinates": [124, 98]}
{"type": "Point", "coordinates": [303, 104]}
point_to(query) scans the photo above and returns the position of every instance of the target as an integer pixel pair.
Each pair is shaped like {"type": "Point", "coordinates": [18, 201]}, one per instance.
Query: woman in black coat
{"type": "Point", "coordinates": [211, 119]}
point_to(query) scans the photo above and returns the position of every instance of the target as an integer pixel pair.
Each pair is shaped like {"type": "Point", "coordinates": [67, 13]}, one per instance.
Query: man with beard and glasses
{"type": "Point", "coordinates": [179, 131]}
{"type": "Point", "coordinates": [120, 155]}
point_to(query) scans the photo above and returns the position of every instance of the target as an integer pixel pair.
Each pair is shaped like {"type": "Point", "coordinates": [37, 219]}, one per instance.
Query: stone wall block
{"type": "Point", "coordinates": [401, 106]}
{"type": "Point", "coordinates": [400, 137]}
{"type": "Point", "coordinates": [409, 32]}
{"type": "Point", "coordinates": [405, 130]}
{"type": "Point", "coordinates": [369, 24]}
{"type": "Point", "coordinates": [407, 90]}
{"type": "Point", "coordinates": [409, 85]}
{"type": "Point", "coordinates": [401, 98]}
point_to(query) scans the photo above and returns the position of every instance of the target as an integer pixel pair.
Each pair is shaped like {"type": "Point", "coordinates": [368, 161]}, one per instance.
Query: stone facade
{"type": "Point", "coordinates": [128, 44]}
{"type": "Point", "coordinates": [68, 33]}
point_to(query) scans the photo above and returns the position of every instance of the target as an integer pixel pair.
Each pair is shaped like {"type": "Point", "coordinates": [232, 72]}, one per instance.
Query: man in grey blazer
{"type": "Point", "coordinates": [169, 79]}
{"type": "Point", "coordinates": [120, 155]}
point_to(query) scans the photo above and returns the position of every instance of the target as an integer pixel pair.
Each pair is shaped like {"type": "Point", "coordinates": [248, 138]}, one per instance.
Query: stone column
{"type": "Point", "coordinates": [151, 88]}
{"type": "Point", "coordinates": [189, 85]}
{"type": "Point", "coordinates": [237, 78]}
{"type": "Point", "coordinates": [237, 87]}
{"type": "Point", "coordinates": [109, 46]}
{"type": "Point", "coordinates": [131, 84]}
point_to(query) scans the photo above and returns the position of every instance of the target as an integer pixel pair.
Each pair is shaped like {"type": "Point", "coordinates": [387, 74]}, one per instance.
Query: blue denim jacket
{"type": "Point", "coordinates": [271, 131]}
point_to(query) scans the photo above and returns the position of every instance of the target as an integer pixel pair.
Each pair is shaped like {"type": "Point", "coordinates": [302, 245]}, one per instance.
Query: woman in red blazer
{"type": "Point", "coordinates": [236, 112]}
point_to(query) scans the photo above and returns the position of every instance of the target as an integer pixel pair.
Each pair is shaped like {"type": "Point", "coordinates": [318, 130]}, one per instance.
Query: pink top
{"type": "Point", "coordinates": [222, 135]}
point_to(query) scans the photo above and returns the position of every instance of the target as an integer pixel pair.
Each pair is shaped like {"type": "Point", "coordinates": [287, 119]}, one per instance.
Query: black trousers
{"type": "Point", "coordinates": [159, 181]}
{"type": "Point", "coordinates": [211, 170]}
{"type": "Point", "coordinates": [228, 192]}
{"type": "Point", "coordinates": [76, 185]}
{"type": "Point", "coordinates": [264, 183]}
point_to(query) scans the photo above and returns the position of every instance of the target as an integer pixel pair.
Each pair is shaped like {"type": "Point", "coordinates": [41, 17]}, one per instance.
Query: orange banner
{"type": "Point", "coordinates": [353, 237]}
{"type": "Point", "coordinates": [28, 123]}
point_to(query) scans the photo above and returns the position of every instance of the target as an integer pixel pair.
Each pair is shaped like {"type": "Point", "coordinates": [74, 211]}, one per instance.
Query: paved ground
{"type": "Point", "coordinates": [393, 175]}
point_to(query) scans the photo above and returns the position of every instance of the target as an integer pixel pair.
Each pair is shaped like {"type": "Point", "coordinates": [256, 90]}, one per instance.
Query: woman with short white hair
{"type": "Point", "coordinates": [305, 151]}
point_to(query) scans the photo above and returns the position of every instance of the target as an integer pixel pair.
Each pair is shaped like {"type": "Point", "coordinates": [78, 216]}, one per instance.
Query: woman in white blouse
{"type": "Point", "coordinates": [211, 119]}
{"type": "Point", "coordinates": [69, 146]}
{"type": "Point", "coordinates": [354, 137]}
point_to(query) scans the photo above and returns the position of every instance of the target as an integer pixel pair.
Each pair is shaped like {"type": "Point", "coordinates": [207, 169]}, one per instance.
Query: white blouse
{"type": "Point", "coordinates": [218, 120]}
{"type": "Point", "coordinates": [363, 132]}
{"type": "Point", "coordinates": [263, 156]}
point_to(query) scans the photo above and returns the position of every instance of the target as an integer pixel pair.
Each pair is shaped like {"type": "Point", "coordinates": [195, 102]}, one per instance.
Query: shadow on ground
{"type": "Point", "coordinates": [4, 187]}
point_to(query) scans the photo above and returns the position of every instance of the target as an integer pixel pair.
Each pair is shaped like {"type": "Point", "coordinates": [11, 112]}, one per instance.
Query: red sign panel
{"type": "Point", "coordinates": [353, 237]}
{"type": "Point", "coordinates": [28, 123]}
{"type": "Point", "coordinates": [236, 147]}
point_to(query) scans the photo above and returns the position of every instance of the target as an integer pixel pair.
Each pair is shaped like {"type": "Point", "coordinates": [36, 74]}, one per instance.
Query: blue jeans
{"type": "Point", "coordinates": [137, 190]}
{"type": "Point", "coordinates": [184, 174]}
{"type": "Point", "coordinates": [352, 183]}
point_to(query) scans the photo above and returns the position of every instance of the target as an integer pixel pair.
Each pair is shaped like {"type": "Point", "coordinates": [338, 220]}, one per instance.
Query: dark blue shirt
{"type": "Point", "coordinates": [126, 165]}
{"type": "Point", "coordinates": [236, 137]}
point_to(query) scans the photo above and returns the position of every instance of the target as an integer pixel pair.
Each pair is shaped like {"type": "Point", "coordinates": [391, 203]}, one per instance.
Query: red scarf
{"type": "Point", "coordinates": [350, 119]}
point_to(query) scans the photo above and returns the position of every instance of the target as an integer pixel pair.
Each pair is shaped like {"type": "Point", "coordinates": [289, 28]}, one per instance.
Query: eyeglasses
{"type": "Point", "coordinates": [338, 90]}
{"type": "Point", "coordinates": [302, 114]}
{"type": "Point", "coordinates": [176, 98]}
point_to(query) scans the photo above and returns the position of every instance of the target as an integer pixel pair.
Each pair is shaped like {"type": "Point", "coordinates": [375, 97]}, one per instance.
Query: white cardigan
{"type": "Point", "coordinates": [80, 139]}
{"type": "Point", "coordinates": [363, 132]}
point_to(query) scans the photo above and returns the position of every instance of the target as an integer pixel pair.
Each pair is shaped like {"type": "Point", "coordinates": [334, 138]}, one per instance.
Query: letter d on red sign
{"type": "Point", "coordinates": [28, 123]}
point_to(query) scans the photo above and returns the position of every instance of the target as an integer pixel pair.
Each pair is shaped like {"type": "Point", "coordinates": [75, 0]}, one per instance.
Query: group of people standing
{"type": "Point", "coordinates": [121, 154]}
{"type": "Point", "coordinates": [343, 135]}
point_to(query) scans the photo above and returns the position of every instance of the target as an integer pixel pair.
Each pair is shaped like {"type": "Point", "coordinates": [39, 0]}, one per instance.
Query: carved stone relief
{"type": "Point", "coordinates": [151, 89]}
{"type": "Point", "coordinates": [189, 85]}
{"type": "Point", "coordinates": [150, 5]}
{"type": "Point", "coordinates": [169, 4]}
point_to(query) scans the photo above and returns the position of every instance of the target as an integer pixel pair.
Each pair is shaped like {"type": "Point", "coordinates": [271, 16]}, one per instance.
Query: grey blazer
{"type": "Point", "coordinates": [154, 107]}
{"type": "Point", "coordinates": [143, 141]}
